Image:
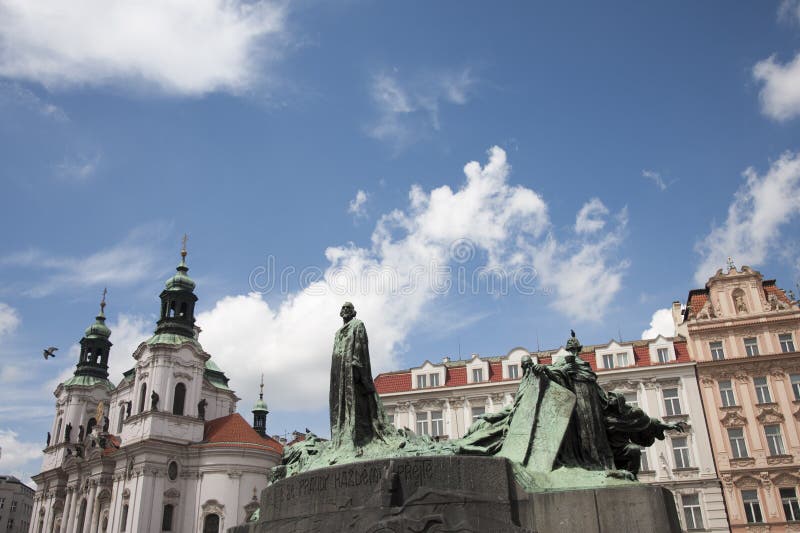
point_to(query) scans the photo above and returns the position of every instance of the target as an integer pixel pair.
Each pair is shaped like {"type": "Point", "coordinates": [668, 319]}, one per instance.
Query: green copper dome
{"type": "Point", "coordinates": [181, 280]}
{"type": "Point", "coordinates": [260, 405]}
{"type": "Point", "coordinates": [98, 329]}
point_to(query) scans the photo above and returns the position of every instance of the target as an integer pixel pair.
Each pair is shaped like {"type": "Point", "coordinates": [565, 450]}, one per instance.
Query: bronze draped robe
{"type": "Point", "coordinates": [356, 411]}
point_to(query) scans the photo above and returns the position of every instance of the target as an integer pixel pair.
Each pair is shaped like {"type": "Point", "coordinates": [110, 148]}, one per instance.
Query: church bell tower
{"type": "Point", "coordinates": [177, 302]}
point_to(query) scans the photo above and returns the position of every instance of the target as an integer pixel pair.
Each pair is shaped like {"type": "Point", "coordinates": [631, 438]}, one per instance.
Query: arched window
{"type": "Point", "coordinates": [58, 432]}
{"type": "Point", "coordinates": [123, 523]}
{"type": "Point", "coordinates": [171, 309]}
{"type": "Point", "coordinates": [183, 310]}
{"type": "Point", "coordinates": [142, 397]}
{"type": "Point", "coordinates": [166, 518]}
{"type": "Point", "coordinates": [211, 523]}
{"type": "Point", "coordinates": [178, 399]}
{"type": "Point", "coordinates": [90, 426]}
{"type": "Point", "coordinates": [121, 418]}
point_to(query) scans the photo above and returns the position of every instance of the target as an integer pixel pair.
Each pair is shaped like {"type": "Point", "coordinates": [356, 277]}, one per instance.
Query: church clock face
{"type": "Point", "coordinates": [172, 471]}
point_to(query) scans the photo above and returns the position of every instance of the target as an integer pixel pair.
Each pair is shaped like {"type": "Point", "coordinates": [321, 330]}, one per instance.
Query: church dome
{"type": "Point", "coordinates": [260, 405]}
{"type": "Point", "coordinates": [181, 280]}
{"type": "Point", "coordinates": [98, 329]}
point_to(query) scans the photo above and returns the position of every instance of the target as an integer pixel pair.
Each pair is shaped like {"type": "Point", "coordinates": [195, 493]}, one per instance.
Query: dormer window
{"type": "Point", "coordinates": [477, 375]}
{"type": "Point", "coordinates": [608, 360]}
{"type": "Point", "coordinates": [422, 381]}
{"type": "Point", "coordinates": [663, 355]}
{"type": "Point", "coordinates": [427, 376]}
{"type": "Point", "coordinates": [617, 360]}
{"type": "Point", "coordinates": [513, 371]}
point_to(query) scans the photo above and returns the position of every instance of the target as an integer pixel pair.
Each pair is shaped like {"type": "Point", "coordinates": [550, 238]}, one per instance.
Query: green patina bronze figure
{"type": "Point", "coordinates": [356, 411]}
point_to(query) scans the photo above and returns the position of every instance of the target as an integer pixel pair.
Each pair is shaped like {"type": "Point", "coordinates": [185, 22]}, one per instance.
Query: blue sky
{"type": "Point", "coordinates": [622, 153]}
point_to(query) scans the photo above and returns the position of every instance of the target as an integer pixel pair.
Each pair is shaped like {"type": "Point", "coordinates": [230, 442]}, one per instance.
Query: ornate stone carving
{"type": "Point", "coordinates": [769, 414]}
{"type": "Point", "coordinates": [733, 419]}
{"type": "Point", "coordinates": [741, 376]}
{"type": "Point", "coordinates": [746, 482]}
{"type": "Point", "coordinates": [707, 381]}
{"type": "Point", "coordinates": [741, 462]}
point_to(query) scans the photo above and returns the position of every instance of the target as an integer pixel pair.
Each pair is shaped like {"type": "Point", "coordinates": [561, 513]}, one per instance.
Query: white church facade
{"type": "Point", "coordinates": [162, 450]}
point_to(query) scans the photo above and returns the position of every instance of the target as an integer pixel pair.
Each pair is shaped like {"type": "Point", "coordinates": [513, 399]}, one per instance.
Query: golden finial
{"type": "Point", "coordinates": [103, 301]}
{"type": "Point", "coordinates": [183, 248]}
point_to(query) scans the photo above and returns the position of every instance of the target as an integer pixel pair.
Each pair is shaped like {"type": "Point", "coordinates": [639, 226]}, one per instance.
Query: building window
{"type": "Point", "coordinates": [124, 520]}
{"type": "Point", "coordinates": [672, 404]}
{"type": "Point", "coordinates": [2, 502]}
{"type": "Point", "coordinates": [422, 381]}
{"type": "Point", "coordinates": [10, 524]}
{"type": "Point", "coordinates": [166, 519]}
{"type": "Point", "coordinates": [423, 428]}
{"type": "Point", "coordinates": [477, 412]}
{"type": "Point", "coordinates": [738, 443]}
{"type": "Point", "coordinates": [762, 390]}
{"type": "Point", "coordinates": [632, 399]}
{"type": "Point", "coordinates": [477, 375]}
{"type": "Point", "coordinates": [717, 353]}
{"type": "Point", "coordinates": [172, 470]}
{"type": "Point", "coordinates": [787, 344]}
{"type": "Point", "coordinates": [691, 511]}
{"type": "Point", "coordinates": [644, 464]}
{"type": "Point", "coordinates": [437, 424]}
{"type": "Point", "coordinates": [796, 385]}
{"type": "Point", "coordinates": [726, 393]}
{"type": "Point", "coordinates": [608, 360]}
{"type": "Point", "coordinates": [774, 439]}
{"type": "Point", "coordinates": [680, 449]}
{"type": "Point", "coordinates": [751, 346]}
{"type": "Point", "coordinates": [391, 419]}
{"type": "Point", "coordinates": [121, 418]}
{"type": "Point", "coordinates": [790, 506]}
{"type": "Point", "coordinates": [178, 399]}
{"type": "Point", "coordinates": [13, 505]}
{"type": "Point", "coordinates": [752, 508]}
{"type": "Point", "coordinates": [622, 359]}
{"type": "Point", "coordinates": [663, 355]}
{"type": "Point", "coordinates": [513, 371]}
{"type": "Point", "coordinates": [434, 380]}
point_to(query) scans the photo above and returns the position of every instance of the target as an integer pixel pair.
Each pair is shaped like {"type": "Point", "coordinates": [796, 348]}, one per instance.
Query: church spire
{"type": "Point", "coordinates": [178, 300]}
{"type": "Point", "coordinates": [95, 346]}
{"type": "Point", "coordinates": [260, 412]}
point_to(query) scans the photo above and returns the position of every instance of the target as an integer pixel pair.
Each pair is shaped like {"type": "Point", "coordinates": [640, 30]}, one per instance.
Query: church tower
{"type": "Point", "coordinates": [78, 398]}
{"type": "Point", "coordinates": [177, 302]}
{"type": "Point", "coordinates": [260, 412]}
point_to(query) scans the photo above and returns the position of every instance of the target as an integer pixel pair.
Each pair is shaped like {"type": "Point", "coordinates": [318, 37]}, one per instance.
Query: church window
{"type": "Point", "coordinates": [211, 523]}
{"type": "Point", "coordinates": [81, 516]}
{"type": "Point", "coordinates": [178, 399]}
{"type": "Point", "coordinates": [787, 344]}
{"type": "Point", "coordinates": [166, 519]}
{"type": "Point", "coordinates": [183, 310]}
{"type": "Point", "coordinates": [691, 511]}
{"type": "Point", "coordinates": [124, 521]}
{"type": "Point", "coordinates": [142, 397]}
{"type": "Point", "coordinates": [121, 418]}
{"type": "Point", "coordinates": [171, 309]}
{"type": "Point", "coordinates": [726, 393]}
{"type": "Point", "coordinates": [672, 404]}
{"type": "Point", "coordinates": [774, 440]}
{"type": "Point", "coordinates": [717, 353]}
{"type": "Point", "coordinates": [738, 443]}
{"type": "Point", "coordinates": [90, 426]}
{"type": "Point", "coordinates": [58, 436]}
{"type": "Point", "coordinates": [751, 346]}
{"type": "Point", "coordinates": [762, 390]}
{"type": "Point", "coordinates": [172, 471]}
{"type": "Point", "coordinates": [752, 507]}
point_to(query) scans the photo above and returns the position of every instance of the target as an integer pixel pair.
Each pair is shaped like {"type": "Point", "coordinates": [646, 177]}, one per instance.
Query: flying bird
{"type": "Point", "coordinates": [49, 352]}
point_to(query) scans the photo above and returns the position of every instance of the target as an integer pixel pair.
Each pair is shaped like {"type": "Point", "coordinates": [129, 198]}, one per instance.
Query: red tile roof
{"type": "Point", "coordinates": [456, 373]}
{"type": "Point", "coordinates": [234, 431]}
{"type": "Point", "coordinates": [770, 288]}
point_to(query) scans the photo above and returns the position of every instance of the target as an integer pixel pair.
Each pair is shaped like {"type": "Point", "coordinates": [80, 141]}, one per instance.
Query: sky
{"type": "Point", "coordinates": [473, 177]}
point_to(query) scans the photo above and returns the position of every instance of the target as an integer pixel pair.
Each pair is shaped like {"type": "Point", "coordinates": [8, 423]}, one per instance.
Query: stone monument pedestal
{"type": "Point", "coordinates": [451, 494]}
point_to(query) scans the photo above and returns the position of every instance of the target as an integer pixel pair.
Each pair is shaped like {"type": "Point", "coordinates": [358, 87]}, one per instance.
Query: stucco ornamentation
{"type": "Point", "coordinates": [780, 460]}
{"type": "Point", "coordinates": [770, 414]}
{"type": "Point", "coordinates": [733, 419]}
{"type": "Point", "coordinates": [746, 482]}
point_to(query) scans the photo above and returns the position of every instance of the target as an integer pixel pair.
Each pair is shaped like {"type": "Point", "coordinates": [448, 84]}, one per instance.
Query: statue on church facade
{"type": "Point", "coordinates": [154, 401]}
{"type": "Point", "coordinates": [356, 412]}
{"type": "Point", "coordinates": [67, 431]}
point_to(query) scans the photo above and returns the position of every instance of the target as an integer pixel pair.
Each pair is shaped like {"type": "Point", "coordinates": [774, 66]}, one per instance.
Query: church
{"type": "Point", "coordinates": [162, 450]}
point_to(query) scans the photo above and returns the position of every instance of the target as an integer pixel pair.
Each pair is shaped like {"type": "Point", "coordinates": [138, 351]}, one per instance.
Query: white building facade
{"type": "Point", "coordinates": [163, 450]}
{"type": "Point", "coordinates": [442, 400]}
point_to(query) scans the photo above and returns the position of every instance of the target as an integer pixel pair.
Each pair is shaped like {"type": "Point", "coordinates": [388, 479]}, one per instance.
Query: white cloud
{"type": "Point", "coordinates": [656, 178]}
{"type": "Point", "coordinates": [780, 93]}
{"type": "Point", "coordinates": [124, 263]}
{"type": "Point", "coordinates": [760, 207]}
{"type": "Point", "coordinates": [394, 282]}
{"type": "Point", "coordinates": [9, 319]}
{"type": "Point", "coordinates": [176, 46]}
{"type": "Point", "coordinates": [357, 205]}
{"type": "Point", "coordinates": [660, 324]}
{"type": "Point", "coordinates": [409, 109]}
{"type": "Point", "coordinates": [590, 217]}
{"type": "Point", "coordinates": [78, 169]}
{"type": "Point", "coordinates": [17, 95]}
{"type": "Point", "coordinates": [789, 11]}
{"type": "Point", "coordinates": [19, 458]}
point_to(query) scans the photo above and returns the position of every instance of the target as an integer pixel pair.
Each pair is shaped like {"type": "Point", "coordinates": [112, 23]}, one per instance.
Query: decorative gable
{"type": "Point", "coordinates": [512, 363]}
{"type": "Point", "coordinates": [770, 415]}
{"type": "Point", "coordinates": [477, 370]}
{"type": "Point", "coordinates": [428, 375]}
{"type": "Point", "coordinates": [614, 355]}
{"type": "Point", "coordinates": [661, 350]}
{"type": "Point", "coordinates": [733, 419]}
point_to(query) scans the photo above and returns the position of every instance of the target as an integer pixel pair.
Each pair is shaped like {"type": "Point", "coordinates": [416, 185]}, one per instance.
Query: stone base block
{"type": "Point", "coordinates": [451, 494]}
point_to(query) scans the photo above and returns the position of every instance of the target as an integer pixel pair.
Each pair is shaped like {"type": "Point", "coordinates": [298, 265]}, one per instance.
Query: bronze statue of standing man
{"type": "Point", "coordinates": [356, 411]}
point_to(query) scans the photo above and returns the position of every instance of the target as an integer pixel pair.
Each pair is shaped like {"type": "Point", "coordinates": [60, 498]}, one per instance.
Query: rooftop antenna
{"type": "Point", "coordinates": [619, 333]}
{"type": "Point", "coordinates": [459, 348]}
{"type": "Point", "coordinates": [538, 349]}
